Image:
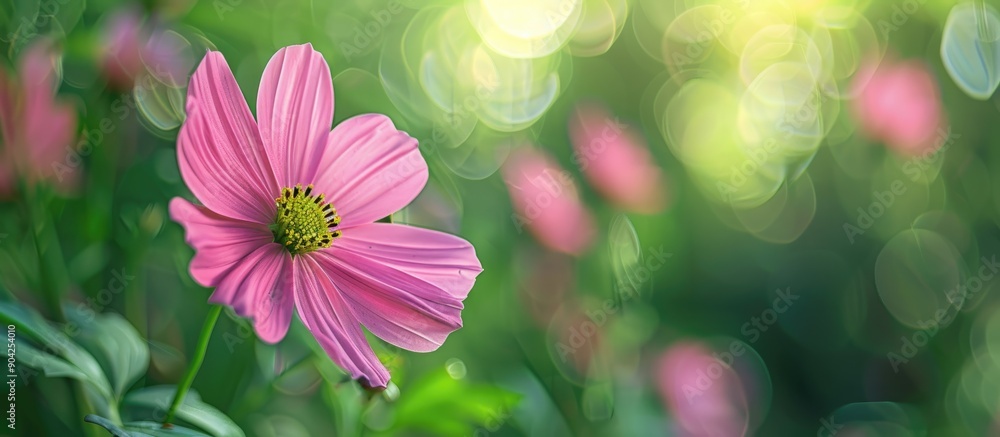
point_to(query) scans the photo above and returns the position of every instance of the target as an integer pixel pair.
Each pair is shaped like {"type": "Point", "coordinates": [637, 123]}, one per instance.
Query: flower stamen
{"type": "Point", "coordinates": [303, 221]}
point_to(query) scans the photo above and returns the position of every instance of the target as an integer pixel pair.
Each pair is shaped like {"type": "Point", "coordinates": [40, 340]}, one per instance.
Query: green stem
{"type": "Point", "coordinates": [199, 356]}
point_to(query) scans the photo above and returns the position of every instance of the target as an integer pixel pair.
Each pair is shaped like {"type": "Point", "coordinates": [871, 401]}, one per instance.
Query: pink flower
{"type": "Point", "coordinates": [547, 202]}
{"type": "Point", "coordinates": [705, 396]}
{"type": "Point", "coordinates": [121, 43]}
{"type": "Point", "coordinates": [615, 159]}
{"type": "Point", "coordinates": [131, 48]}
{"type": "Point", "coordinates": [289, 212]}
{"type": "Point", "coordinates": [37, 128]}
{"type": "Point", "coordinates": [900, 105]}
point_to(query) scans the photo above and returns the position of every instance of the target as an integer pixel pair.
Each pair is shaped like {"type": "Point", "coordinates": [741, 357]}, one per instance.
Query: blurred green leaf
{"type": "Point", "coordinates": [68, 13]}
{"type": "Point", "coordinates": [346, 401]}
{"type": "Point", "coordinates": [51, 365]}
{"type": "Point", "coordinates": [18, 21]}
{"type": "Point", "coordinates": [141, 429]}
{"type": "Point", "coordinates": [153, 403]}
{"type": "Point", "coordinates": [66, 358]}
{"type": "Point", "coordinates": [115, 343]}
{"type": "Point", "coordinates": [442, 405]}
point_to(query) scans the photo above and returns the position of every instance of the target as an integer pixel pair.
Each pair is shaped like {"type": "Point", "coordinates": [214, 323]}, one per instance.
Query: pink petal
{"type": "Point", "coordinates": [547, 203]}
{"type": "Point", "coordinates": [168, 57]}
{"type": "Point", "coordinates": [900, 105]}
{"type": "Point", "coordinates": [295, 112]}
{"type": "Point", "coordinates": [705, 396]}
{"type": "Point", "coordinates": [370, 169]}
{"type": "Point", "coordinates": [330, 319]}
{"type": "Point", "coordinates": [38, 128]}
{"type": "Point", "coordinates": [260, 287]}
{"type": "Point", "coordinates": [121, 40]}
{"type": "Point", "coordinates": [219, 242]}
{"type": "Point", "coordinates": [405, 284]}
{"type": "Point", "coordinates": [219, 148]}
{"type": "Point", "coordinates": [36, 68]}
{"type": "Point", "coordinates": [615, 159]}
{"type": "Point", "coordinates": [50, 129]}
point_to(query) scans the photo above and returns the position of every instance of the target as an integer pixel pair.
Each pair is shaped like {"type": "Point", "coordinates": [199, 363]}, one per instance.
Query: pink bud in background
{"type": "Point", "coordinates": [900, 106]}
{"type": "Point", "coordinates": [122, 40]}
{"type": "Point", "coordinates": [704, 394]}
{"type": "Point", "coordinates": [38, 130]}
{"type": "Point", "coordinates": [546, 202]}
{"type": "Point", "coordinates": [132, 47]}
{"type": "Point", "coordinates": [616, 160]}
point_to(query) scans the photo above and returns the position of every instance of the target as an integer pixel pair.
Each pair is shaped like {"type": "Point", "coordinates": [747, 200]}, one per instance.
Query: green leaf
{"type": "Point", "coordinates": [442, 405]}
{"type": "Point", "coordinates": [153, 403]}
{"type": "Point", "coordinates": [141, 429]}
{"type": "Point", "coordinates": [114, 343]}
{"type": "Point", "coordinates": [51, 365]}
{"type": "Point", "coordinates": [57, 354]}
{"type": "Point", "coordinates": [18, 22]}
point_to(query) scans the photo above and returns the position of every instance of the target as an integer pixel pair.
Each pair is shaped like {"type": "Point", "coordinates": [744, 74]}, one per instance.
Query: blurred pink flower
{"type": "Point", "coordinates": [704, 395]}
{"type": "Point", "coordinates": [37, 127]}
{"type": "Point", "coordinates": [546, 202]}
{"type": "Point", "coordinates": [121, 41]}
{"type": "Point", "coordinates": [616, 160]}
{"type": "Point", "coordinates": [269, 238]}
{"type": "Point", "coordinates": [899, 105]}
{"type": "Point", "coordinates": [131, 48]}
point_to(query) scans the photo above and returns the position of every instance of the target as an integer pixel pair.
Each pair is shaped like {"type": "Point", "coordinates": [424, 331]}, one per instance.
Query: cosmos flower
{"type": "Point", "coordinates": [900, 105]}
{"type": "Point", "coordinates": [615, 159]}
{"type": "Point", "coordinates": [37, 127]}
{"type": "Point", "coordinates": [289, 210]}
{"type": "Point", "coordinates": [547, 203]}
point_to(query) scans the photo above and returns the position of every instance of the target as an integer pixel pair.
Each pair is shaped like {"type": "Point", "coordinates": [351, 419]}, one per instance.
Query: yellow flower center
{"type": "Point", "coordinates": [304, 220]}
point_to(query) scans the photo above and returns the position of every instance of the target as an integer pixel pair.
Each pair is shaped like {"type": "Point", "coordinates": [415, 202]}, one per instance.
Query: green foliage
{"type": "Point", "coordinates": [123, 357]}
{"type": "Point", "coordinates": [154, 401]}
{"type": "Point", "coordinates": [142, 429]}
